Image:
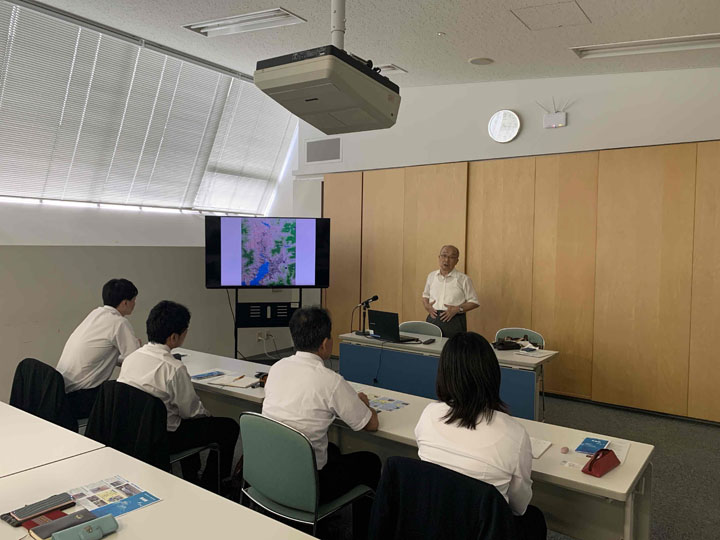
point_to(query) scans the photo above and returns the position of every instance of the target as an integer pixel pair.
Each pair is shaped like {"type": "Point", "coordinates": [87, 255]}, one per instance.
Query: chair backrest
{"type": "Point", "coordinates": [519, 333]}
{"type": "Point", "coordinates": [421, 327]}
{"type": "Point", "coordinates": [40, 390]}
{"type": "Point", "coordinates": [421, 500]}
{"type": "Point", "coordinates": [131, 421]}
{"type": "Point", "coordinates": [279, 462]}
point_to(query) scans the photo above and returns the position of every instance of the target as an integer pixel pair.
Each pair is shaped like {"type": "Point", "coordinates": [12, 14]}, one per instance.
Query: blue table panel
{"type": "Point", "coordinates": [415, 374]}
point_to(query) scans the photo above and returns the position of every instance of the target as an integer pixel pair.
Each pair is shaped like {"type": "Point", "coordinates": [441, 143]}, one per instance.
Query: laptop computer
{"type": "Point", "coordinates": [385, 327]}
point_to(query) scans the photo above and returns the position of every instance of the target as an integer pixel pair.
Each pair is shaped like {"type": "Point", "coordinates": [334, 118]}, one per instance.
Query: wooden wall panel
{"type": "Point", "coordinates": [342, 203]}
{"type": "Point", "coordinates": [434, 215]}
{"type": "Point", "coordinates": [704, 370]}
{"type": "Point", "coordinates": [382, 238]}
{"type": "Point", "coordinates": [563, 294]}
{"type": "Point", "coordinates": [646, 200]}
{"type": "Point", "coordinates": [500, 242]}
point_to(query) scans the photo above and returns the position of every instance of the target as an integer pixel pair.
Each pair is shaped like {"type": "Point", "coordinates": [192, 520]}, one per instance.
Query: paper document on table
{"type": "Point", "coordinates": [620, 448]}
{"type": "Point", "coordinates": [539, 353]}
{"type": "Point", "coordinates": [113, 495]}
{"type": "Point", "coordinates": [539, 446]}
{"type": "Point", "coordinates": [234, 381]}
{"type": "Point", "coordinates": [380, 403]}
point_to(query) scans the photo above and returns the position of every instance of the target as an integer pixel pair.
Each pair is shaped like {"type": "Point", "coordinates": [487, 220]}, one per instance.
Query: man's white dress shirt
{"type": "Point", "coordinates": [452, 290]}
{"type": "Point", "coordinates": [93, 350]}
{"type": "Point", "coordinates": [154, 370]}
{"type": "Point", "coordinates": [302, 393]}
{"type": "Point", "coordinates": [498, 452]}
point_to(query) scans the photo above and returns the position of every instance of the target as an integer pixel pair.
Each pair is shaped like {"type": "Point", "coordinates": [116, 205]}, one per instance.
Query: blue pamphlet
{"type": "Point", "coordinates": [207, 375]}
{"type": "Point", "coordinates": [126, 505]}
{"type": "Point", "coordinates": [590, 445]}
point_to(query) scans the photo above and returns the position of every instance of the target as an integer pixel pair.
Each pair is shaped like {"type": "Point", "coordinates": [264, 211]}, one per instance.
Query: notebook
{"type": "Point", "coordinates": [234, 381]}
{"type": "Point", "coordinates": [539, 446]}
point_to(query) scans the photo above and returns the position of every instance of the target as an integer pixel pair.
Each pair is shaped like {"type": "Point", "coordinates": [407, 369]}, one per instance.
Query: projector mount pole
{"type": "Point", "coordinates": [337, 24]}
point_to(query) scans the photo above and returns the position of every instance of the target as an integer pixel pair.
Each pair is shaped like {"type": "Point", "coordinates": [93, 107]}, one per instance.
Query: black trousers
{"type": "Point", "coordinates": [531, 525]}
{"type": "Point", "coordinates": [454, 326]}
{"type": "Point", "coordinates": [198, 432]}
{"type": "Point", "coordinates": [82, 401]}
{"type": "Point", "coordinates": [341, 473]}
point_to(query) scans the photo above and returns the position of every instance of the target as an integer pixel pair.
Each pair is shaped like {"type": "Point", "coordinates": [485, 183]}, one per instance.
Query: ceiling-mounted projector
{"type": "Point", "coordinates": [330, 89]}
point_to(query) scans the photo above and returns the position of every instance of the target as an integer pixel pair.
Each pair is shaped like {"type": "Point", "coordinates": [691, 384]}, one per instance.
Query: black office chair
{"type": "Point", "coordinates": [420, 500]}
{"type": "Point", "coordinates": [135, 423]}
{"type": "Point", "coordinates": [40, 390]}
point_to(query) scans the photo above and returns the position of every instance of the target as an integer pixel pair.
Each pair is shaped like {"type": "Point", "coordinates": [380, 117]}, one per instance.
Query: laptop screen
{"type": "Point", "coordinates": [384, 324]}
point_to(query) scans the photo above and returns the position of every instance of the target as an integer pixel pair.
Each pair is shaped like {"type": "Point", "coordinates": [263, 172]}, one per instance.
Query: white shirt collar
{"type": "Point", "coordinates": [309, 356]}
{"type": "Point", "coordinates": [161, 347]}
{"type": "Point", "coordinates": [450, 273]}
{"type": "Point", "coordinates": [112, 310]}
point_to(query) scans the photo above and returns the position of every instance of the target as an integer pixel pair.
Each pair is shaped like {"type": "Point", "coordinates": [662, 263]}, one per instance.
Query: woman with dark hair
{"type": "Point", "coordinates": [468, 430]}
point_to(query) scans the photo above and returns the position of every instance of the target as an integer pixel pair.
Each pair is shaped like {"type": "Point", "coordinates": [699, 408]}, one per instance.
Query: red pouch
{"type": "Point", "coordinates": [603, 461]}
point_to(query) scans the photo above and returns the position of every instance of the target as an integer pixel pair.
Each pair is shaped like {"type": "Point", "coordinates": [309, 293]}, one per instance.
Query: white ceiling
{"type": "Point", "coordinates": [404, 32]}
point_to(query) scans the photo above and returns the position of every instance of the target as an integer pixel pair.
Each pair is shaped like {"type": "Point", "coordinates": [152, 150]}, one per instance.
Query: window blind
{"type": "Point", "coordinates": [85, 116]}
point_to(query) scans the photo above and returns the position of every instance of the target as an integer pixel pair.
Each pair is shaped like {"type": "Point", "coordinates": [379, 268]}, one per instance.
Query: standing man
{"type": "Point", "coordinates": [101, 342]}
{"type": "Point", "coordinates": [449, 294]}
{"type": "Point", "coordinates": [302, 393]}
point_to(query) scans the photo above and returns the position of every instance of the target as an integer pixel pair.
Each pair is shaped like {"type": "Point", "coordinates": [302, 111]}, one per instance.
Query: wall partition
{"type": "Point", "coordinates": [612, 255]}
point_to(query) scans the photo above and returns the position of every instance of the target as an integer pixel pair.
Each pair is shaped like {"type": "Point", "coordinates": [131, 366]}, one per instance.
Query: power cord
{"type": "Point", "coordinates": [232, 312]}
{"type": "Point", "coordinates": [377, 372]}
{"type": "Point", "coordinates": [265, 347]}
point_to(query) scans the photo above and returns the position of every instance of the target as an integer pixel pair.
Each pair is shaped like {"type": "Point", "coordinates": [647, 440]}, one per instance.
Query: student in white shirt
{"type": "Point", "coordinates": [469, 431]}
{"type": "Point", "coordinates": [153, 369]}
{"type": "Point", "coordinates": [97, 345]}
{"type": "Point", "coordinates": [302, 393]}
{"type": "Point", "coordinates": [449, 294]}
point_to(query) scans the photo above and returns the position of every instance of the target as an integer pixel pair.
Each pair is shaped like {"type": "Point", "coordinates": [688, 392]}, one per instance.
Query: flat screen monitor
{"type": "Point", "coordinates": [266, 252]}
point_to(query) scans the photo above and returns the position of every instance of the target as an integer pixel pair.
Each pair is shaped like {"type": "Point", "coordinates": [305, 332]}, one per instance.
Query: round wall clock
{"type": "Point", "coordinates": [504, 126]}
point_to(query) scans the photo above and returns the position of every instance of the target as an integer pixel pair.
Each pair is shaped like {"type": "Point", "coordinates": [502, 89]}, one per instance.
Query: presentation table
{"type": "Point", "coordinates": [185, 511]}
{"type": "Point", "coordinates": [29, 441]}
{"type": "Point", "coordinates": [582, 506]}
{"type": "Point", "coordinates": [412, 368]}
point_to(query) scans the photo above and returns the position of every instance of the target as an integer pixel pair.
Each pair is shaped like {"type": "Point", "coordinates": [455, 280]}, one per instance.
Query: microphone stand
{"type": "Point", "coordinates": [362, 332]}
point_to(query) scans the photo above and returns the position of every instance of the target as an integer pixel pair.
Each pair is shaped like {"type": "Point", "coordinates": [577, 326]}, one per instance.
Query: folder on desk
{"type": "Point", "coordinates": [234, 381]}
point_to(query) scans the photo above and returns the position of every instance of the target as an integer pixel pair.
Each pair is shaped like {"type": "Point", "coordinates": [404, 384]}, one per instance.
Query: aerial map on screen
{"type": "Point", "coordinates": [268, 251]}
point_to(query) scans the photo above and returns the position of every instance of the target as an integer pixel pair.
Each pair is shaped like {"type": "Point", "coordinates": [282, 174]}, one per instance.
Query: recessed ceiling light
{"type": "Point", "coordinates": [647, 46]}
{"type": "Point", "coordinates": [391, 68]}
{"type": "Point", "coordinates": [479, 61]}
{"type": "Point", "coordinates": [441, 34]}
{"type": "Point", "coordinates": [259, 20]}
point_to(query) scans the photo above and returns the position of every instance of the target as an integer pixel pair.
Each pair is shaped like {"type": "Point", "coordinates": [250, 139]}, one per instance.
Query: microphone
{"type": "Point", "coordinates": [367, 302]}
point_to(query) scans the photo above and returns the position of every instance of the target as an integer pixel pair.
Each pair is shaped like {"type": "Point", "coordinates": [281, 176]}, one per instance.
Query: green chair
{"type": "Point", "coordinates": [536, 339]}
{"type": "Point", "coordinates": [519, 333]}
{"type": "Point", "coordinates": [279, 466]}
{"type": "Point", "coordinates": [421, 327]}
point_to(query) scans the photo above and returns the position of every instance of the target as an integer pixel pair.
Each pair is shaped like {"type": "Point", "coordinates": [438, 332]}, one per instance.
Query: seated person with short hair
{"type": "Point", "coordinates": [302, 393]}
{"type": "Point", "coordinates": [469, 431]}
{"type": "Point", "coordinates": [97, 345]}
{"type": "Point", "coordinates": [154, 370]}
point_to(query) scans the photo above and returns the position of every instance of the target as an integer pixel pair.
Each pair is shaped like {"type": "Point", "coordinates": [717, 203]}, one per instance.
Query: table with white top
{"type": "Point", "coordinates": [29, 441]}
{"type": "Point", "coordinates": [614, 506]}
{"type": "Point", "coordinates": [574, 503]}
{"type": "Point", "coordinates": [185, 511]}
{"type": "Point", "coordinates": [412, 368]}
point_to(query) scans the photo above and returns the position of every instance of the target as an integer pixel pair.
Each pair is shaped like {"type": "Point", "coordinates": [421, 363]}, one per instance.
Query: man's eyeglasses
{"type": "Point", "coordinates": [447, 256]}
